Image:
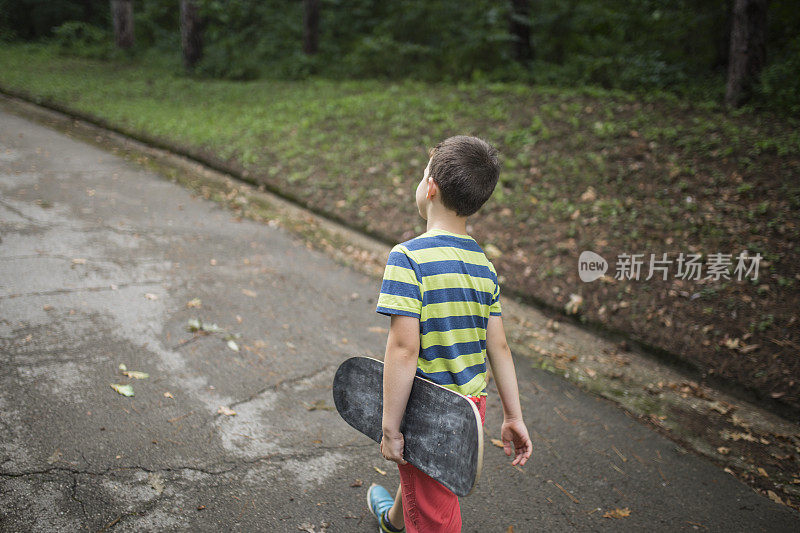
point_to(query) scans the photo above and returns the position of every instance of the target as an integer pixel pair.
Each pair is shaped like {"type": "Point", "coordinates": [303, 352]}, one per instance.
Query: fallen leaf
{"type": "Point", "coordinates": [719, 407]}
{"type": "Point", "coordinates": [723, 450]}
{"type": "Point", "coordinates": [727, 435]}
{"type": "Point", "coordinates": [762, 472]}
{"type": "Point", "coordinates": [122, 367]}
{"type": "Point", "coordinates": [378, 330]}
{"type": "Point", "coordinates": [591, 373]}
{"type": "Point", "coordinates": [732, 344]}
{"type": "Point", "coordinates": [248, 292]}
{"type": "Point", "coordinates": [135, 374]}
{"type": "Point", "coordinates": [589, 195]}
{"type": "Point", "coordinates": [195, 302]}
{"type": "Point", "coordinates": [319, 404]}
{"type": "Point", "coordinates": [574, 305]}
{"type": "Point", "coordinates": [740, 422]}
{"type": "Point", "coordinates": [510, 529]}
{"type": "Point", "coordinates": [55, 457]}
{"type": "Point", "coordinates": [378, 470]}
{"type": "Point", "coordinates": [79, 261]}
{"type": "Point", "coordinates": [168, 395]}
{"type": "Point", "coordinates": [151, 296]}
{"type": "Point", "coordinates": [618, 513]}
{"type": "Point", "coordinates": [774, 497]}
{"type": "Point", "coordinates": [357, 483]}
{"type": "Point", "coordinates": [227, 411]}
{"type": "Point", "coordinates": [201, 507]}
{"type": "Point", "coordinates": [194, 324]}
{"type": "Point", "coordinates": [125, 390]}
{"type": "Point", "coordinates": [157, 482]}
{"type": "Point", "coordinates": [232, 345]}
{"type": "Point", "coordinates": [498, 443]}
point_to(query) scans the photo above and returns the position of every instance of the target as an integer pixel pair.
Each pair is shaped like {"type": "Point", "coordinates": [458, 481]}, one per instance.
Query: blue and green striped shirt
{"type": "Point", "coordinates": [446, 281]}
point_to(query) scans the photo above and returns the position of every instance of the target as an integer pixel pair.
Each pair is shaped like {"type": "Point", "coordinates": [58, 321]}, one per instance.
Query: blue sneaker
{"type": "Point", "coordinates": [379, 502]}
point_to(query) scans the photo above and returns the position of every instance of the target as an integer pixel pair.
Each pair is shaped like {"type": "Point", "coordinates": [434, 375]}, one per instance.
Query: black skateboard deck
{"type": "Point", "coordinates": [442, 429]}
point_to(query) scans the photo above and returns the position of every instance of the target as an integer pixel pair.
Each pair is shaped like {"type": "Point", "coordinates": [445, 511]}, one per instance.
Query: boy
{"type": "Point", "coordinates": [442, 295]}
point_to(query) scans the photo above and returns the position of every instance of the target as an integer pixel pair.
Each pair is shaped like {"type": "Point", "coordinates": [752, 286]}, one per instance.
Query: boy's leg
{"type": "Point", "coordinates": [427, 504]}
{"type": "Point", "coordinates": [396, 512]}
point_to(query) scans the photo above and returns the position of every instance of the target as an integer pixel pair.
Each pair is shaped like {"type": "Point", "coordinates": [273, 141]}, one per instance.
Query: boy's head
{"type": "Point", "coordinates": [465, 170]}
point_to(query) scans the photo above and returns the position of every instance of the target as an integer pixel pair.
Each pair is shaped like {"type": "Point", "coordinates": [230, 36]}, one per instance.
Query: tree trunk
{"type": "Point", "coordinates": [722, 35]}
{"type": "Point", "coordinates": [122, 16]}
{"type": "Point", "coordinates": [191, 34]}
{"type": "Point", "coordinates": [520, 28]}
{"type": "Point", "coordinates": [748, 49]}
{"type": "Point", "coordinates": [310, 26]}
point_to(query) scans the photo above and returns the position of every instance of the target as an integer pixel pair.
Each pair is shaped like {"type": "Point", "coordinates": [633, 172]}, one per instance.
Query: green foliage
{"type": "Point", "coordinates": [157, 25]}
{"type": "Point", "coordinates": [83, 40]}
{"type": "Point", "coordinates": [780, 81]}
{"type": "Point", "coordinates": [36, 19]}
{"type": "Point", "coordinates": [433, 40]}
{"type": "Point", "coordinates": [680, 47]}
{"type": "Point", "coordinates": [245, 40]}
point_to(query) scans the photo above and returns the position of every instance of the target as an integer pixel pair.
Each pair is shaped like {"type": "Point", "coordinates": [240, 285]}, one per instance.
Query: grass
{"type": "Point", "coordinates": [583, 168]}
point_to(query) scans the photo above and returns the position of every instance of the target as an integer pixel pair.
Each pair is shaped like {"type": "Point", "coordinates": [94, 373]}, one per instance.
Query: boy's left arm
{"type": "Point", "coordinates": [400, 366]}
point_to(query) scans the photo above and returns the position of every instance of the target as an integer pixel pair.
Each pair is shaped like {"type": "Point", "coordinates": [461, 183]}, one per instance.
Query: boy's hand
{"type": "Point", "coordinates": [392, 447]}
{"type": "Point", "coordinates": [514, 432]}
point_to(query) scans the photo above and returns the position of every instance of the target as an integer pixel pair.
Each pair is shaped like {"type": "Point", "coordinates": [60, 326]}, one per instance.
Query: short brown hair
{"type": "Point", "coordinates": [466, 170]}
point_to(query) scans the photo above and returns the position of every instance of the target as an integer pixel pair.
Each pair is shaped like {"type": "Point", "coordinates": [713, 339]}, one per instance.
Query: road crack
{"type": "Point", "coordinates": [85, 289]}
{"type": "Point", "coordinates": [282, 384]}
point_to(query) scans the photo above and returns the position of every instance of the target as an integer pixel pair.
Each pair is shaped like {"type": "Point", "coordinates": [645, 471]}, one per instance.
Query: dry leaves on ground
{"type": "Point", "coordinates": [618, 513]}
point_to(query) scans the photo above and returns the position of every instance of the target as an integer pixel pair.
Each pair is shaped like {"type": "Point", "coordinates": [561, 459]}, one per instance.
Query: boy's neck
{"type": "Point", "coordinates": [447, 221]}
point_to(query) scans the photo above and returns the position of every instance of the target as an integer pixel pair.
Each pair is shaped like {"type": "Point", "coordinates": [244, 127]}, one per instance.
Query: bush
{"type": "Point", "coordinates": [83, 39]}
{"type": "Point", "coordinates": [246, 39]}
{"type": "Point", "coordinates": [780, 82]}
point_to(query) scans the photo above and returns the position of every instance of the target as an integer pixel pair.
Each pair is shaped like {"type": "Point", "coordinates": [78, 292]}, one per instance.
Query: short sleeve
{"type": "Point", "coordinates": [401, 292]}
{"type": "Point", "coordinates": [494, 308]}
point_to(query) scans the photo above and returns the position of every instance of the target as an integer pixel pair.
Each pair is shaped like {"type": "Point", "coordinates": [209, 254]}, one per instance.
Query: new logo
{"type": "Point", "coordinates": [591, 266]}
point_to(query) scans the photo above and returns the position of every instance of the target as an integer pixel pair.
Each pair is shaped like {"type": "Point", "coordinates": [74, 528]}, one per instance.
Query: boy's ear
{"type": "Point", "coordinates": [433, 188]}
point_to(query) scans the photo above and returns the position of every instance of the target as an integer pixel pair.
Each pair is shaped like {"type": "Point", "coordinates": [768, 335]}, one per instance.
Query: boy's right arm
{"type": "Point", "coordinates": [400, 366]}
{"type": "Point", "coordinates": [513, 430]}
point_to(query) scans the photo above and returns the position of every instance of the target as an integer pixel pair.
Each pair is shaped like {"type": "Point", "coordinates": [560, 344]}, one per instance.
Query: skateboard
{"type": "Point", "coordinates": [442, 429]}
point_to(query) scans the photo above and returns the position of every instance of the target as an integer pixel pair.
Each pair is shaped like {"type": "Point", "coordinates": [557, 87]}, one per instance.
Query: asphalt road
{"type": "Point", "coordinates": [98, 261]}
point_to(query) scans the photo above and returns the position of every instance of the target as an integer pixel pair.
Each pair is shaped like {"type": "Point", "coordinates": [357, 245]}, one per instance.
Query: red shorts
{"type": "Point", "coordinates": [427, 505]}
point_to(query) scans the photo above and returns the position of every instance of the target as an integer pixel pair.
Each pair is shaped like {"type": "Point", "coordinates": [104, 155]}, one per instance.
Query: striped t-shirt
{"type": "Point", "coordinates": [446, 281]}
